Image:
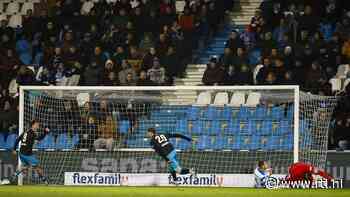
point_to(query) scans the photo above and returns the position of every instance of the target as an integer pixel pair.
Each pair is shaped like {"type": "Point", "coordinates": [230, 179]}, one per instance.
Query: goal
{"type": "Point", "coordinates": [101, 131]}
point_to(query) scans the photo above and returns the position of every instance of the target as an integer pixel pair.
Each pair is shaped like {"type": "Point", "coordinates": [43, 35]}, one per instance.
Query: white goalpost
{"type": "Point", "coordinates": [98, 134]}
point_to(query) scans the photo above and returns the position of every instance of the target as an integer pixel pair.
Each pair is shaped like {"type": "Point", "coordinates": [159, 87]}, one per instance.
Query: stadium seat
{"type": "Point", "coordinates": [343, 71]}
{"type": "Point", "coordinates": [10, 141]}
{"type": "Point", "coordinates": [2, 141]}
{"type": "Point", "coordinates": [15, 21]}
{"type": "Point", "coordinates": [265, 143]}
{"type": "Point", "coordinates": [233, 142]}
{"type": "Point", "coordinates": [277, 112]}
{"type": "Point", "coordinates": [47, 143]}
{"type": "Point", "coordinates": [203, 142]}
{"type": "Point", "coordinates": [285, 127]}
{"type": "Point", "coordinates": [124, 126]}
{"type": "Point", "coordinates": [12, 8]}
{"type": "Point", "coordinates": [182, 144]}
{"type": "Point", "coordinates": [193, 112]}
{"type": "Point", "coordinates": [3, 17]}
{"type": "Point", "coordinates": [260, 112]}
{"type": "Point", "coordinates": [182, 126]}
{"type": "Point", "coordinates": [245, 142]}
{"type": "Point", "coordinates": [253, 99]}
{"type": "Point", "coordinates": [63, 142]}
{"type": "Point", "coordinates": [138, 143]}
{"type": "Point", "coordinates": [204, 98]}
{"type": "Point", "coordinates": [220, 142]}
{"type": "Point", "coordinates": [290, 112]}
{"type": "Point", "coordinates": [336, 84]}
{"type": "Point", "coordinates": [265, 127]}
{"type": "Point", "coordinates": [237, 99]}
{"type": "Point", "coordinates": [221, 99]}
{"type": "Point", "coordinates": [27, 6]}
{"type": "Point", "coordinates": [233, 127]}
{"type": "Point", "coordinates": [75, 140]}
{"type": "Point", "coordinates": [244, 113]}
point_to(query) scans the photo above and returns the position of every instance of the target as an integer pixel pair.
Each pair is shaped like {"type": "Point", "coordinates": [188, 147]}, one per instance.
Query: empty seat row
{"type": "Point", "coordinates": [222, 98]}
{"type": "Point", "coordinates": [224, 113]}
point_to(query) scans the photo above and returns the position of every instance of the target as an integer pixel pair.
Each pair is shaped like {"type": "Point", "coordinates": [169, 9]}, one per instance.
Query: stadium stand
{"type": "Point", "coordinates": [104, 42]}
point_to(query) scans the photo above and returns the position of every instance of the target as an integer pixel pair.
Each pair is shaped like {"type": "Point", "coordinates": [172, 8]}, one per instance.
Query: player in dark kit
{"type": "Point", "coordinates": [26, 155]}
{"type": "Point", "coordinates": [163, 147]}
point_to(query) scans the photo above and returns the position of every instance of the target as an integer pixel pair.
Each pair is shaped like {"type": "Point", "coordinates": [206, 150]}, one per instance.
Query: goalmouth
{"type": "Point", "coordinates": [99, 133]}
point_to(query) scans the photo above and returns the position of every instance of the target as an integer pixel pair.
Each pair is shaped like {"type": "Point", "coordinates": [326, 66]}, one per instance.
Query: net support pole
{"type": "Point", "coordinates": [296, 125]}
{"type": "Point", "coordinates": [20, 130]}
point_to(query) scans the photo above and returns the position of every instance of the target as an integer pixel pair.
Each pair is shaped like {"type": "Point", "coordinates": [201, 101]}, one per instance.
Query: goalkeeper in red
{"type": "Point", "coordinates": [304, 172]}
{"type": "Point", "coordinates": [163, 147]}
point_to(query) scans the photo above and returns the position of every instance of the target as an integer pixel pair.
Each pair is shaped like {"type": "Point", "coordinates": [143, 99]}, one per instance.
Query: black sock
{"type": "Point", "coordinates": [173, 174]}
{"type": "Point", "coordinates": [185, 171]}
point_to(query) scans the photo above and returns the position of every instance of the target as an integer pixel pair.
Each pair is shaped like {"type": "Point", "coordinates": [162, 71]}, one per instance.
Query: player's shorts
{"type": "Point", "coordinates": [29, 160]}
{"type": "Point", "coordinates": [174, 165]}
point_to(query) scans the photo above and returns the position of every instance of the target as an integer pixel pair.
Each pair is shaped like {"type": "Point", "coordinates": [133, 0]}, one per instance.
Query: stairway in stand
{"type": "Point", "coordinates": [240, 17]}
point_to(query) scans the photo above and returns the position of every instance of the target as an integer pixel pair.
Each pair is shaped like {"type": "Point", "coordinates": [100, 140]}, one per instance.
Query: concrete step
{"type": "Point", "coordinates": [198, 66]}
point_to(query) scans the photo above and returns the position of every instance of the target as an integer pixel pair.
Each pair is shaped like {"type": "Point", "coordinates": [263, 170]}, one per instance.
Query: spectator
{"type": "Point", "coordinates": [144, 80]}
{"type": "Point", "coordinates": [157, 73]}
{"type": "Point", "coordinates": [88, 134]}
{"type": "Point", "coordinates": [231, 76]}
{"type": "Point", "coordinates": [315, 77]}
{"type": "Point", "coordinates": [264, 70]}
{"type": "Point", "coordinates": [172, 65]}
{"type": "Point", "coordinates": [227, 58]}
{"type": "Point", "coordinates": [126, 69]}
{"type": "Point", "coordinates": [213, 75]}
{"type": "Point", "coordinates": [279, 70]}
{"type": "Point", "coordinates": [239, 59]}
{"type": "Point", "coordinates": [107, 133]}
{"type": "Point", "coordinates": [234, 42]}
{"type": "Point", "coordinates": [92, 74]}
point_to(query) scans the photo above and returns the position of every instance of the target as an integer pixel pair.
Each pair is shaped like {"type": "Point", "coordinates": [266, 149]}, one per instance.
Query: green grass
{"type": "Point", "coordinates": [62, 191]}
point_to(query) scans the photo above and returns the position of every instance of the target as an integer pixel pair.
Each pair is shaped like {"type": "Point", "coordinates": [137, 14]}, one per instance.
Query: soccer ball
{"type": "Point", "coordinates": [5, 182]}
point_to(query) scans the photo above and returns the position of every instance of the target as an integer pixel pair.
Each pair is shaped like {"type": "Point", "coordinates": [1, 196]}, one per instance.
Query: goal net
{"type": "Point", "coordinates": [103, 129]}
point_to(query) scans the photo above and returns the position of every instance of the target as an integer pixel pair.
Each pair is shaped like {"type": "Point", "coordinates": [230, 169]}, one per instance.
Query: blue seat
{"type": "Point", "coordinates": [204, 142]}
{"type": "Point", "coordinates": [182, 126]}
{"type": "Point", "coordinates": [227, 113]}
{"type": "Point", "coordinates": [260, 112]}
{"type": "Point", "coordinates": [251, 128]}
{"type": "Point", "coordinates": [233, 127]}
{"type": "Point", "coordinates": [233, 142]}
{"type": "Point", "coordinates": [243, 113]}
{"type": "Point", "coordinates": [285, 127]}
{"type": "Point", "coordinates": [10, 141]}
{"type": "Point", "coordinates": [124, 126]}
{"type": "Point", "coordinates": [193, 113]}
{"type": "Point", "coordinates": [265, 143]}
{"type": "Point", "coordinates": [219, 142]}
{"type": "Point", "coordinates": [277, 112]}
{"type": "Point", "coordinates": [75, 140]}
{"type": "Point", "coordinates": [281, 142]}
{"type": "Point", "coordinates": [2, 141]}
{"type": "Point", "coordinates": [266, 127]}
{"type": "Point", "coordinates": [47, 143]}
{"type": "Point", "coordinates": [290, 112]}
{"type": "Point", "coordinates": [63, 142]}
{"type": "Point", "coordinates": [248, 142]}
{"type": "Point", "coordinates": [138, 142]}
{"type": "Point", "coordinates": [181, 144]}
{"type": "Point", "coordinates": [197, 127]}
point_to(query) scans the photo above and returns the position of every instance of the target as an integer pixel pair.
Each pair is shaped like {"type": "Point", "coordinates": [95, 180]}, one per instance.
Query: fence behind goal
{"type": "Point", "coordinates": [103, 129]}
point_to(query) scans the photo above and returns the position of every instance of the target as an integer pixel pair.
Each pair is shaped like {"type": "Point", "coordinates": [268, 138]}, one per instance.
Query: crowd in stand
{"type": "Point", "coordinates": [291, 42]}
{"type": "Point", "coordinates": [98, 42]}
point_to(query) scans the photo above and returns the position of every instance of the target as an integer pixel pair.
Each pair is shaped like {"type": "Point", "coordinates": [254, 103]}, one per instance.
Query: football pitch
{"type": "Point", "coordinates": [63, 191]}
